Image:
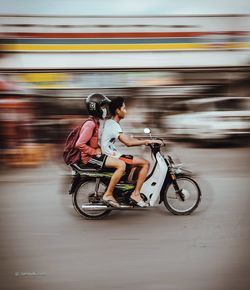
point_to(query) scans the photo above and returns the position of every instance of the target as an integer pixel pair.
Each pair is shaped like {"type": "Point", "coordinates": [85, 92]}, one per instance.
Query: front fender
{"type": "Point", "coordinates": [180, 171]}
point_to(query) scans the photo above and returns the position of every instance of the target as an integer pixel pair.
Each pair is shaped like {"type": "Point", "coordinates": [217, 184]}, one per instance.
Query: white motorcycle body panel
{"type": "Point", "coordinates": [152, 187]}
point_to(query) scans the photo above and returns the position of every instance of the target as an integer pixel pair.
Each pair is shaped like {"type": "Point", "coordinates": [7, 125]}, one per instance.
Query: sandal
{"type": "Point", "coordinates": [140, 203]}
{"type": "Point", "coordinates": [111, 202]}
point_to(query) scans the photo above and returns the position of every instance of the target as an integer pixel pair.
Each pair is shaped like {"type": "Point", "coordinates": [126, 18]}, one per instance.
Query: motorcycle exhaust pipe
{"type": "Point", "coordinates": [104, 207]}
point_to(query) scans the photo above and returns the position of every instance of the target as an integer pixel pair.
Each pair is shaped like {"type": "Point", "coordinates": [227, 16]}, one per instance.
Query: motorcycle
{"type": "Point", "coordinates": [168, 182]}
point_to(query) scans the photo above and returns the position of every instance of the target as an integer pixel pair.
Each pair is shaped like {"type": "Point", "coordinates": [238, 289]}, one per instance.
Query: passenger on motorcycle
{"type": "Point", "coordinates": [113, 131]}
{"type": "Point", "coordinates": [87, 143]}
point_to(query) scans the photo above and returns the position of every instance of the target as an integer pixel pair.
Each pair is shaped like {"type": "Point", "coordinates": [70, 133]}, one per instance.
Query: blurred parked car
{"type": "Point", "coordinates": [210, 119]}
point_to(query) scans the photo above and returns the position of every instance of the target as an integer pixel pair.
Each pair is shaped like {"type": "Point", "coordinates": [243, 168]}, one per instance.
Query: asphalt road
{"type": "Point", "coordinates": [44, 244]}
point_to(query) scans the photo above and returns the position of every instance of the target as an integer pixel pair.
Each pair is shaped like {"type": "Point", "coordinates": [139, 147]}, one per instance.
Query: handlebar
{"type": "Point", "coordinates": [160, 139]}
{"type": "Point", "coordinates": [156, 145]}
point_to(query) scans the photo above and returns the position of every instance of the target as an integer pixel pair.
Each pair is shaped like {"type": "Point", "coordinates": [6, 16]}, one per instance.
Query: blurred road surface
{"type": "Point", "coordinates": [46, 245]}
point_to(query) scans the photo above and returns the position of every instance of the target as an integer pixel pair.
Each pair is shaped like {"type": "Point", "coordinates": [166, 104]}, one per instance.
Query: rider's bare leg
{"type": "Point", "coordinates": [120, 167]}
{"type": "Point", "coordinates": [144, 167]}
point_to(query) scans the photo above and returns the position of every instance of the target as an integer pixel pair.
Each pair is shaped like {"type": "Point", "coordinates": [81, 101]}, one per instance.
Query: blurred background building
{"type": "Point", "coordinates": [186, 77]}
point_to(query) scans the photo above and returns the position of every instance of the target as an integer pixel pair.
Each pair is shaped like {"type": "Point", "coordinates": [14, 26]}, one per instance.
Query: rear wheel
{"type": "Point", "coordinates": [184, 201]}
{"type": "Point", "coordinates": [85, 195]}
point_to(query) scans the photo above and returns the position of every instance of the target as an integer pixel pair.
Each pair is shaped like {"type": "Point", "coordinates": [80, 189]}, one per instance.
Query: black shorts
{"type": "Point", "coordinates": [97, 161]}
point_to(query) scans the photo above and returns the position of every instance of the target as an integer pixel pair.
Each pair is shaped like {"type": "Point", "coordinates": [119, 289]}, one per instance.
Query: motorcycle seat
{"type": "Point", "coordinates": [82, 168]}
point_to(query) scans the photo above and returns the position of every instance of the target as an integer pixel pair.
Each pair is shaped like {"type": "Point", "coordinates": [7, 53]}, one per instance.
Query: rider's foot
{"type": "Point", "coordinates": [109, 200]}
{"type": "Point", "coordinates": [140, 203]}
{"type": "Point", "coordinates": [136, 199]}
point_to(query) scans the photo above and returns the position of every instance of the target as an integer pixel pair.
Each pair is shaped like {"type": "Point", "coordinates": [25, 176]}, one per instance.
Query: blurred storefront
{"type": "Point", "coordinates": [36, 117]}
{"type": "Point", "coordinates": [153, 62]}
{"type": "Point", "coordinates": [19, 143]}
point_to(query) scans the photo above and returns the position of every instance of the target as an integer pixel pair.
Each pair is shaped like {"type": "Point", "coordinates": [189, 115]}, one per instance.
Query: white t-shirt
{"type": "Point", "coordinates": [110, 134]}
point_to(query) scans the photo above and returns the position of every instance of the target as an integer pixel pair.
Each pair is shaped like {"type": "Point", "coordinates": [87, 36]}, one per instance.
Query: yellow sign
{"type": "Point", "coordinates": [45, 80]}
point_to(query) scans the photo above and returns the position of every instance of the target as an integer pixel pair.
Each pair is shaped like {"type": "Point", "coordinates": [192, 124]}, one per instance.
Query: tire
{"type": "Point", "coordinates": [84, 191]}
{"type": "Point", "coordinates": [192, 196]}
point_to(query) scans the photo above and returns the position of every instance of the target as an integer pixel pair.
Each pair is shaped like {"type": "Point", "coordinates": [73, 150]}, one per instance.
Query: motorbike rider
{"type": "Point", "coordinates": [113, 131]}
{"type": "Point", "coordinates": [87, 143]}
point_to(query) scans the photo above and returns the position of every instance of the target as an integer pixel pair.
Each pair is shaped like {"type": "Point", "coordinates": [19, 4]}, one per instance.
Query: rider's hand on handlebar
{"type": "Point", "coordinates": [147, 142]}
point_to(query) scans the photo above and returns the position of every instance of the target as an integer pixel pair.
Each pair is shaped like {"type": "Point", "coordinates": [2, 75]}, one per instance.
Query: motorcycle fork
{"type": "Point", "coordinates": [173, 177]}
{"type": "Point", "coordinates": [176, 186]}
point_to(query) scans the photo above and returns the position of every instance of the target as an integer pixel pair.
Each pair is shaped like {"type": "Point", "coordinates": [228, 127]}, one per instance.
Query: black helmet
{"type": "Point", "coordinates": [95, 105]}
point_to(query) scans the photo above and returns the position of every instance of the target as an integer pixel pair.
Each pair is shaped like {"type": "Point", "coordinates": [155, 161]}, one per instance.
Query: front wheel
{"type": "Point", "coordinates": [85, 195]}
{"type": "Point", "coordinates": [186, 199]}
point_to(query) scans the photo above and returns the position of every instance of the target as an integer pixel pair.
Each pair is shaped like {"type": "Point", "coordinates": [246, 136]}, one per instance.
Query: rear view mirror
{"type": "Point", "coordinates": [147, 131]}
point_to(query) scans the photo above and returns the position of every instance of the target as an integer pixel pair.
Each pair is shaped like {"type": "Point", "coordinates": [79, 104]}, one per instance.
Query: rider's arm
{"type": "Point", "coordinates": [131, 141]}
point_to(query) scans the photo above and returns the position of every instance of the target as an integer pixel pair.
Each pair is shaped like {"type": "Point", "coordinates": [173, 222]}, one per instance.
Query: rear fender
{"type": "Point", "coordinates": [105, 177]}
{"type": "Point", "coordinates": [74, 183]}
